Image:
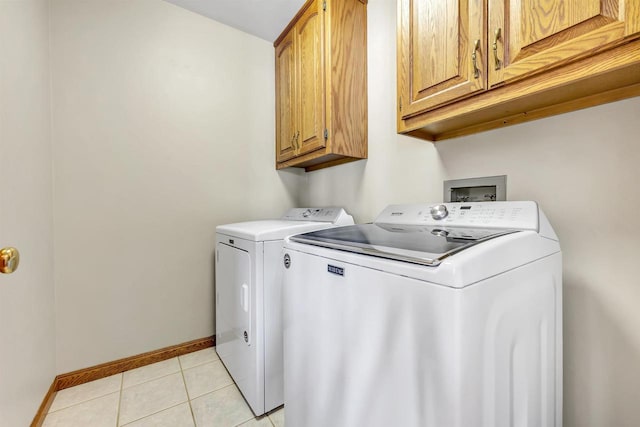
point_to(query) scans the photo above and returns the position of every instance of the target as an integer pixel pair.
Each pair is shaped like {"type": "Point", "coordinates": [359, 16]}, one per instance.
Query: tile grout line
{"type": "Point", "coordinates": [255, 419]}
{"type": "Point", "coordinates": [184, 381]}
{"type": "Point", "coordinates": [84, 401]}
{"type": "Point", "coordinates": [150, 379]}
{"type": "Point", "coordinates": [80, 403]}
{"type": "Point", "coordinates": [202, 364]}
{"type": "Point", "coordinates": [215, 389]}
{"type": "Point", "coordinates": [122, 386]}
{"type": "Point", "coordinates": [273, 411]}
{"type": "Point", "coordinates": [233, 383]}
{"type": "Point", "coordinates": [217, 359]}
{"type": "Point", "coordinates": [120, 398]}
{"type": "Point", "coordinates": [152, 414]}
{"type": "Point", "coordinates": [146, 382]}
{"type": "Point", "coordinates": [121, 389]}
{"type": "Point", "coordinates": [158, 411]}
{"type": "Point", "coordinates": [59, 394]}
{"type": "Point", "coordinates": [269, 418]}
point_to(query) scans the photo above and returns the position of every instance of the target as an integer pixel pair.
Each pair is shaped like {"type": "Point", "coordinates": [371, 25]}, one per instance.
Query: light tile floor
{"type": "Point", "coordinates": [193, 390]}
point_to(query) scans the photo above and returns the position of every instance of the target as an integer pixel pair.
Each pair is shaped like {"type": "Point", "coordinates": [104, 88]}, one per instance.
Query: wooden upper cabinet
{"type": "Point", "coordinates": [441, 52]}
{"type": "Point", "coordinates": [530, 36]}
{"type": "Point", "coordinates": [321, 85]}
{"type": "Point", "coordinates": [286, 94]}
{"type": "Point", "coordinates": [535, 58]}
{"type": "Point", "coordinates": [311, 82]}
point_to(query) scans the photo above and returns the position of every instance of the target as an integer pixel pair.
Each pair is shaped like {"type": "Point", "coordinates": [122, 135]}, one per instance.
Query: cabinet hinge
{"type": "Point", "coordinates": [326, 134]}
{"type": "Point", "coordinates": [400, 103]}
{"type": "Point", "coordinates": [324, 5]}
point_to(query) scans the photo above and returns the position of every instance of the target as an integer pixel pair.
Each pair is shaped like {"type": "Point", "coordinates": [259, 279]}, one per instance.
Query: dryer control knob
{"type": "Point", "coordinates": [439, 212]}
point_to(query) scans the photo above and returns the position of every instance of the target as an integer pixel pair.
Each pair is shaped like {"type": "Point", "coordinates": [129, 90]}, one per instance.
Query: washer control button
{"type": "Point", "coordinates": [439, 212]}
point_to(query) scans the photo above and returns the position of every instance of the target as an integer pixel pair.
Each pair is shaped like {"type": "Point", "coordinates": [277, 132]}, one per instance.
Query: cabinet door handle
{"type": "Point", "coordinates": [474, 59]}
{"type": "Point", "coordinates": [496, 36]}
{"type": "Point", "coordinates": [298, 142]}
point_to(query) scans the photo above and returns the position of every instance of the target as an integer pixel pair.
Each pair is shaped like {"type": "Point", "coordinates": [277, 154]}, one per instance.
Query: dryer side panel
{"type": "Point", "coordinates": [273, 362]}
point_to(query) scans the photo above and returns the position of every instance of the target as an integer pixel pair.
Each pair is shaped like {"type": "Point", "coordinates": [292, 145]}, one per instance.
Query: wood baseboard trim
{"type": "Point", "coordinates": [44, 406]}
{"type": "Point", "coordinates": [97, 372]}
{"type": "Point", "coordinates": [103, 370]}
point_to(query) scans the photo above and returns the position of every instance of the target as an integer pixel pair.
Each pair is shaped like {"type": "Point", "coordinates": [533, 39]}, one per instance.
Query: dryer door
{"type": "Point", "coordinates": [233, 291]}
{"type": "Point", "coordinates": [239, 341]}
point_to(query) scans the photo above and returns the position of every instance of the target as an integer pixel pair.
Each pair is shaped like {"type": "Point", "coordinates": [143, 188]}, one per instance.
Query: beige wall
{"type": "Point", "coordinates": [163, 129]}
{"type": "Point", "coordinates": [583, 169]}
{"type": "Point", "coordinates": [27, 332]}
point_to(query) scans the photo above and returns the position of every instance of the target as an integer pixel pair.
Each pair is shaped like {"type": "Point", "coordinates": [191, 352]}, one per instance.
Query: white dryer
{"type": "Point", "coordinates": [249, 296]}
{"type": "Point", "coordinates": [432, 316]}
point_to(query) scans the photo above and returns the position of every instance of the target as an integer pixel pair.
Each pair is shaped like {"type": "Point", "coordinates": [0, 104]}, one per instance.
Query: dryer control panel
{"type": "Point", "coordinates": [333, 215]}
{"type": "Point", "coordinates": [509, 215]}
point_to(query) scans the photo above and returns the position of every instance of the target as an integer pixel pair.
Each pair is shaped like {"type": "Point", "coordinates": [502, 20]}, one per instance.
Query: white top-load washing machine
{"type": "Point", "coordinates": [249, 296]}
{"type": "Point", "coordinates": [432, 316]}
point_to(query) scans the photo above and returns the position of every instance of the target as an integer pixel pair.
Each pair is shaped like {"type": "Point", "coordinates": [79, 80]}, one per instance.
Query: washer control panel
{"type": "Point", "coordinates": [314, 214]}
{"type": "Point", "coordinates": [511, 215]}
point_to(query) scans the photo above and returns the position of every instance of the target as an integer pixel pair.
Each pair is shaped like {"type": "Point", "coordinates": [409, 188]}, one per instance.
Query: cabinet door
{"type": "Point", "coordinates": [535, 35]}
{"type": "Point", "coordinates": [309, 51]}
{"type": "Point", "coordinates": [285, 99]}
{"type": "Point", "coordinates": [436, 45]}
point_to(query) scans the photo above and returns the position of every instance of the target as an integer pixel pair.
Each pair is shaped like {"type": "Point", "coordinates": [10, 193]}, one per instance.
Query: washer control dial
{"type": "Point", "coordinates": [439, 212]}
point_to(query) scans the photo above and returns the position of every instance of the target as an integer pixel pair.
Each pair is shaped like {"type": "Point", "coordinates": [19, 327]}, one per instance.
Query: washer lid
{"type": "Point", "coordinates": [426, 245]}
